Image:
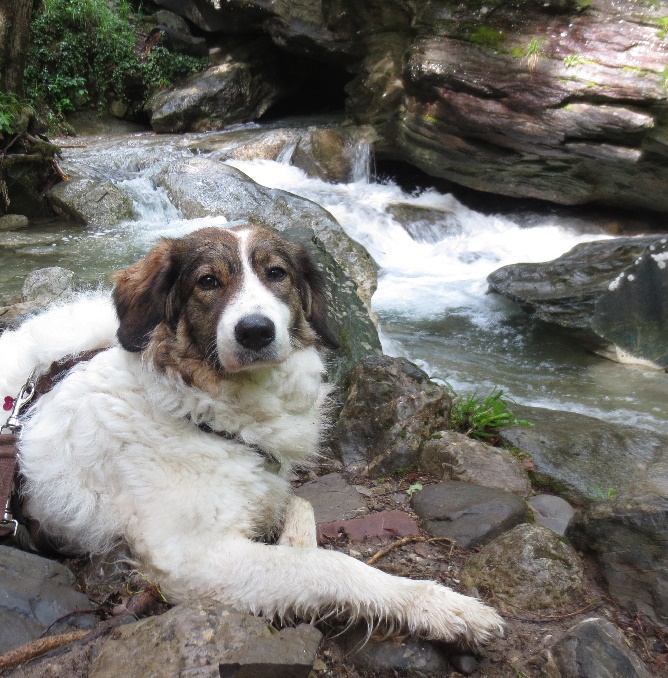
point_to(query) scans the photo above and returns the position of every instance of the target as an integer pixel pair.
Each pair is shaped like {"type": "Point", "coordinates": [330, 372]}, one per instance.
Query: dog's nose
{"type": "Point", "coordinates": [255, 331]}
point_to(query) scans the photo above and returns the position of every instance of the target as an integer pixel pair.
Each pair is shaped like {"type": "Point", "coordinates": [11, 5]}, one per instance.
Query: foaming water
{"type": "Point", "coordinates": [432, 296]}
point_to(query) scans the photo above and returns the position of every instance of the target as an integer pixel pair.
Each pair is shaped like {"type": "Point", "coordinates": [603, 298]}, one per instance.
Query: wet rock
{"type": "Point", "coordinates": [529, 567]}
{"type": "Point", "coordinates": [552, 512]}
{"type": "Point", "coordinates": [247, 144]}
{"type": "Point", "coordinates": [390, 409]}
{"type": "Point", "coordinates": [411, 656]}
{"type": "Point", "coordinates": [332, 498]}
{"type": "Point", "coordinates": [630, 540]}
{"type": "Point", "coordinates": [469, 514]}
{"type": "Point", "coordinates": [333, 154]}
{"type": "Point", "coordinates": [204, 638]}
{"type": "Point", "coordinates": [34, 593]}
{"type": "Point", "coordinates": [202, 187]}
{"type": "Point", "coordinates": [375, 528]}
{"type": "Point", "coordinates": [608, 293]}
{"type": "Point", "coordinates": [13, 222]}
{"type": "Point", "coordinates": [581, 458]}
{"type": "Point", "coordinates": [425, 224]}
{"type": "Point", "coordinates": [178, 41]}
{"type": "Point", "coordinates": [594, 648]}
{"type": "Point", "coordinates": [240, 87]}
{"type": "Point", "coordinates": [90, 201]}
{"type": "Point", "coordinates": [47, 284]}
{"type": "Point", "coordinates": [453, 456]}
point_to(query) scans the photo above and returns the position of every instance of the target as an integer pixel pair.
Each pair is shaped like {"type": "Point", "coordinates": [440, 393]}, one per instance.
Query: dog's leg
{"type": "Point", "coordinates": [309, 583]}
{"type": "Point", "coordinates": [299, 524]}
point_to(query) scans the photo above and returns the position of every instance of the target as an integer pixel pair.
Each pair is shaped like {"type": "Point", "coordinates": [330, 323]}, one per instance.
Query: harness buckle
{"type": "Point", "coordinates": [25, 395]}
{"type": "Point", "coordinates": [8, 521]}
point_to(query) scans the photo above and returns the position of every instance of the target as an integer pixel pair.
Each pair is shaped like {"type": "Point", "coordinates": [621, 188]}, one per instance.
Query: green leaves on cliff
{"type": "Point", "coordinates": [85, 52]}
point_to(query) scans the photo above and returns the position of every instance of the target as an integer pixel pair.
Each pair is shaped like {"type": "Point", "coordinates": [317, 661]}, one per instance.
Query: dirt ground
{"type": "Point", "coordinates": [527, 633]}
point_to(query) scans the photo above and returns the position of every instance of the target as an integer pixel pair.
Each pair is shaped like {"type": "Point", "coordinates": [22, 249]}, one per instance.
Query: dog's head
{"type": "Point", "coordinates": [233, 299]}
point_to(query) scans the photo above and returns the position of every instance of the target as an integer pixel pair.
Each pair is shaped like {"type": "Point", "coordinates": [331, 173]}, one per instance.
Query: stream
{"type": "Point", "coordinates": [431, 299]}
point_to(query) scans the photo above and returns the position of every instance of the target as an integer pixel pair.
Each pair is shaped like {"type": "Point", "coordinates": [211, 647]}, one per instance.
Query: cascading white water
{"type": "Point", "coordinates": [431, 297]}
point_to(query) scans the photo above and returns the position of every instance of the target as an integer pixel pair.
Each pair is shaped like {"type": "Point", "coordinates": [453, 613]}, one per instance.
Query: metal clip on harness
{"type": "Point", "coordinates": [15, 427]}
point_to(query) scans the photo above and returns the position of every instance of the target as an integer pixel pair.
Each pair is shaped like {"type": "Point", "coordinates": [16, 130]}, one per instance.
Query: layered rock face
{"type": "Point", "coordinates": [562, 100]}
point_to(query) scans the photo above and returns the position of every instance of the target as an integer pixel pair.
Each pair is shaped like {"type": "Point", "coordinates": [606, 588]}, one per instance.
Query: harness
{"type": "Point", "coordinates": [13, 520]}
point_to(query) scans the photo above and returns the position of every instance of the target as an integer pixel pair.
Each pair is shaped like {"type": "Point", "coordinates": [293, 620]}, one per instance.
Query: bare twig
{"type": "Point", "coordinates": [31, 651]}
{"type": "Point", "coordinates": [402, 542]}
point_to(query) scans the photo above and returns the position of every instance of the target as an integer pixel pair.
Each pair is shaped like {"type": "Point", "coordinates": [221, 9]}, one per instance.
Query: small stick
{"type": "Point", "coordinates": [539, 620]}
{"type": "Point", "coordinates": [402, 542]}
{"type": "Point", "coordinates": [59, 171]}
{"type": "Point", "coordinates": [33, 650]}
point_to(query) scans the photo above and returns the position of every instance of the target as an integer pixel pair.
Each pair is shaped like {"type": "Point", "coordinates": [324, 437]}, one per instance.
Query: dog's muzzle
{"type": "Point", "coordinates": [255, 331]}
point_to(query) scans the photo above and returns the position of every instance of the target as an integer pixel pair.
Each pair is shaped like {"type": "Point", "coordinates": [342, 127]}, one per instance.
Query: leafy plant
{"type": "Point", "coordinates": [573, 60]}
{"type": "Point", "coordinates": [600, 494]}
{"type": "Point", "coordinates": [163, 68]}
{"type": "Point", "coordinates": [483, 416]}
{"type": "Point", "coordinates": [10, 110]}
{"type": "Point", "coordinates": [532, 52]}
{"type": "Point", "coordinates": [415, 487]}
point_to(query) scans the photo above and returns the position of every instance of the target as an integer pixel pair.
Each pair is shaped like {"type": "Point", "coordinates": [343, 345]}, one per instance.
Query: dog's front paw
{"type": "Point", "coordinates": [439, 613]}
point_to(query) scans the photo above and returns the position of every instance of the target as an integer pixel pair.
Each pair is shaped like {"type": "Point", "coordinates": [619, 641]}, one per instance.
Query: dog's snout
{"type": "Point", "coordinates": [255, 331]}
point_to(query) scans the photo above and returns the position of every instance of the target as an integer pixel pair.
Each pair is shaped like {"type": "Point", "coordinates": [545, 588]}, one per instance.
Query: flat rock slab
{"type": "Point", "coordinates": [34, 593]}
{"type": "Point", "coordinates": [594, 648]}
{"type": "Point", "coordinates": [469, 514]}
{"type": "Point", "coordinates": [205, 639]}
{"type": "Point", "coordinates": [332, 498]}
{"type": "Point", "coordinates": [376, 528]}
{"type": "Point", "coordinates": [552, 512]}
{"type": "Point", "coordinates": [453, 456]}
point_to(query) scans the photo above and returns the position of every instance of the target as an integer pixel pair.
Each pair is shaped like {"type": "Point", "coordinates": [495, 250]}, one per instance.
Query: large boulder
{"type": "Point", "coordinates": [584, 459]}
{"type": "Point", "coordinates": [241, 86]}
{"type": "Point", "coordinates": [390, 409]}
{"type": "Point", "coordinates": [90, 201]}
{"type": "Point", "coordinates": [630, 540]}
{"type": "Point", "coordinates": [529, 567]}
{"type": "Point", "coordinates": [612, 295]}
{"type": "Point", "coordinates": [202, 187]}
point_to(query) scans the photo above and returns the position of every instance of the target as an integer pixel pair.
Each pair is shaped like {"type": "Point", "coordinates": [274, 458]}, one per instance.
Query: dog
{"type": "Point", "coordinates": [179, 438]}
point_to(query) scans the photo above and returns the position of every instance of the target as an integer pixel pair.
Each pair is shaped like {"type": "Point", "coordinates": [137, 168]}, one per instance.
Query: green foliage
{"type": "Point", "coordinates": [10, 110]}
{"type": "Point", "coordinates": [599, 494]}
{"type": "Point", "coordinates": [84, 53]}
{"type": "Point", "coordinates": [483, 416]}
{"type": "Point", "coordinates": [415, 487]}
{"type": "Point", "coordinates": [573, 60]}
{"type": "Point", "coordinates": [662, 23]}
{"type": "Point", "coordinates": [163, 68]}
{"type": "Point", "coordinates": [487, 37]}
{"type": "Point", "coordinates": [533, 51]}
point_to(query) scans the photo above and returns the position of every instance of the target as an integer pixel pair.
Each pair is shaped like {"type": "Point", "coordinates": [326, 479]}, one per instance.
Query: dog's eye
{"type": "Point", "coordinates": [208, 282]}
{"type": "Point", "coordinates": [276, 273]}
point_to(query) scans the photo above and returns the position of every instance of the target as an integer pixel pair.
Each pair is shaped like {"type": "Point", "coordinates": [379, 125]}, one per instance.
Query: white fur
{"type": "Point", "coordinates": [110, 454]}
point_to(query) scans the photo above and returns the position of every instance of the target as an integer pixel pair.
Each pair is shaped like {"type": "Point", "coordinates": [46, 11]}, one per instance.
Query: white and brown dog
{"type": "Point", "coordinates": [218, 332]}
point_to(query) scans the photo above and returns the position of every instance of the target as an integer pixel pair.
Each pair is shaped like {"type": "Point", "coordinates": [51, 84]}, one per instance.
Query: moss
{"type": "Point", "coordinates": [487, 37]}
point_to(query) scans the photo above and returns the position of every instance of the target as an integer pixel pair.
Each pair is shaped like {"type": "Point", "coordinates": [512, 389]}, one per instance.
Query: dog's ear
{"type": "Point", "coordinates": [142, 296]}
{"type": "Point", "coordinates": [311, 290]}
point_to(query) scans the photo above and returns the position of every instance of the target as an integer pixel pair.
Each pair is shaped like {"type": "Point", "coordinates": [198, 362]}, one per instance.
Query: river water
{"type": "Point", "coordinates": [431, 299]}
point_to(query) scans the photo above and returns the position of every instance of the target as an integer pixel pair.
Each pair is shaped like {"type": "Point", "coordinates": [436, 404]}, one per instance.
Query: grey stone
{"type": "Point", "coordinates": [469, 514]}
{"type": "Point", "coordinates": [425, 224]}
{"type": "Point", "coordinates": [12, 222]}
{"type": "Point", "coordinates": [411, 656]}
{"type": "Point", "coordinates": [453, 456]}
{"type": "Point", "coordinates": [205, 639]}
{"type": "Point", "coordinates": [611, 295]}
{"type": "Point", "coordinates": [47, 284]}
{"type": "Point", "coordinates": [630, 541]}
{"type": "Point", "coordinates": [390, 409]}
{"type": "Point", "coordinates": [35, 593]}
{"type": "Point", "coordinates": [529, 567]}
{"type": "Point", "coordinates": [580, 457]}
{"type": "Point", "coordinates": [90, 201]}
{"type": "Point", "coordinates": [594, 648]}
{"type": "Point", "coordinates": [464, 663]}
{"type": "Point", "coordinates": [332, 498]}
{"type": "Point", "coordinates": [552, 512]}
{"type": "Point", "coordinates": [202, 187]}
